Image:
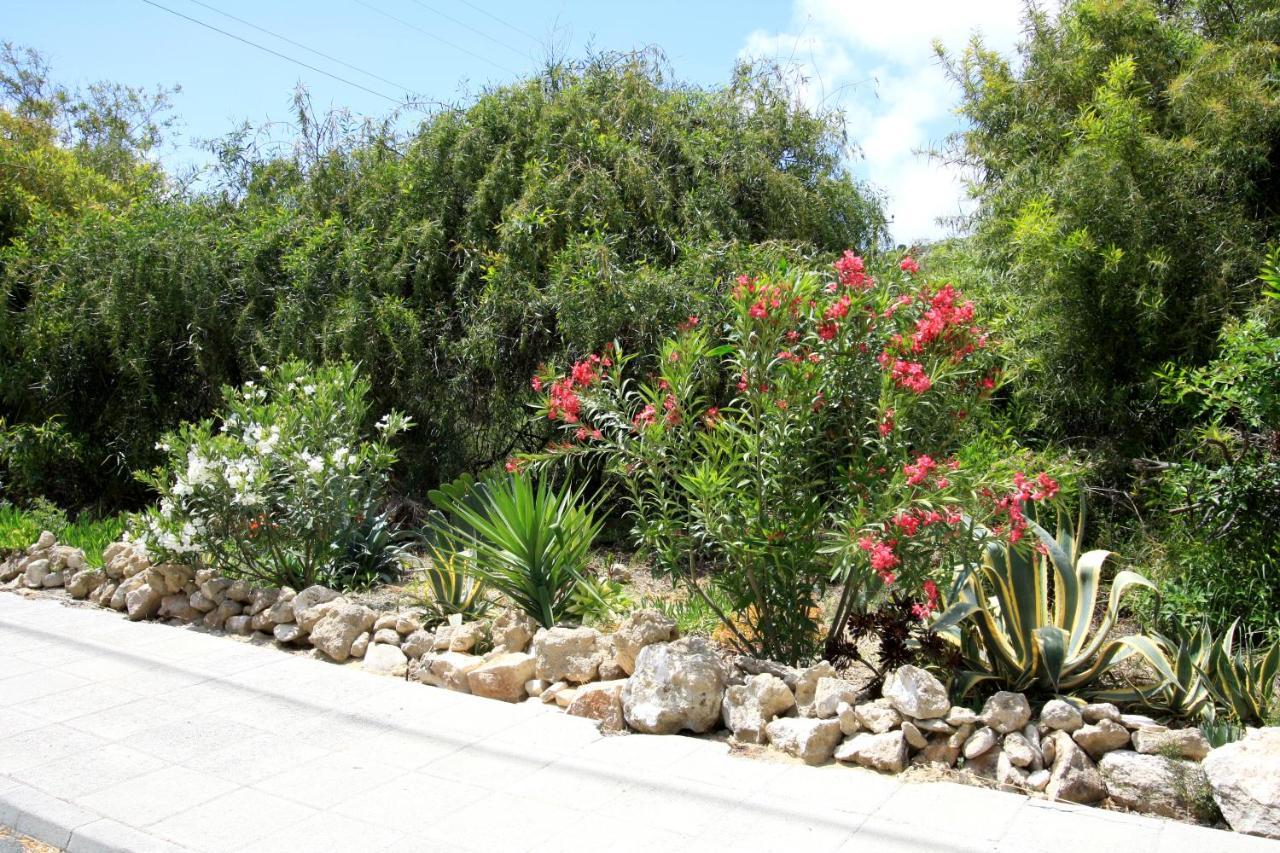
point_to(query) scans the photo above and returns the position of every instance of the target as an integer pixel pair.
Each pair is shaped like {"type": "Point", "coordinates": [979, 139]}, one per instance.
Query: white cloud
{"type": "Point", "coordinates": [875, 61]}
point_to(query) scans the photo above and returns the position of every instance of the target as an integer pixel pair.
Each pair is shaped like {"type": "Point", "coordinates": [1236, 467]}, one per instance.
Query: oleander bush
{"type": "Point", "coordinates": [279, 487]}
{"type": "Point", "coordinates": [808, 440]}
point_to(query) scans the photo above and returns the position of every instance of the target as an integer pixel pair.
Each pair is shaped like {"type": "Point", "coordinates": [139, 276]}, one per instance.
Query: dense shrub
{"type": "Point", "coordinates": [1126, 166]}
{"type": "Point", "coordinates": [280, 488]}
{"type": "Point", "coordinates": [592, 202]}
{"type": "Point", "coordinates": [1215, 508]}
{"type": "Point", "coordinates": [807, 440]}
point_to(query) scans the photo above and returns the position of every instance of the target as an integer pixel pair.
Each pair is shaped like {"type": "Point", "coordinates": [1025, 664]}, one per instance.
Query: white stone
{"type": "Point", "coordinates": [390, 637]}
{"type": "Point", "coordinates": [1019, 750]}
{"type": "Point", "coordinates": [641, 628]}
{"type": "Point", "coordinates": [503, 677]}
{"type": "Point", "coordinates": [879, 716]}
{"type": "Point", "coordinates": [1101, 737]}
{"type": "Point", "coordinates": [1073, 777]}
{"type": "Point", "coordinates": [848, 718]}
{"type": "Point", "coordinates": [418, 644]}
{"type": "Point", "coordinates": [1061, 715]}
{"type": "Point", "coordinates": [305, 601]}
{"type": "Point", "coordinates": [811, 740]}
{"type": "Point", "coordinates": [916, 693]}
{"type": "Point", "coordinates": [1184, 743]}
{"type": "Point", "coordinates": [448, 670]}
{"type": "Point", "coordinates": [748, 707]}
{"type": "Point", "coordinates": [600, 701]}
{"type": "Point", "coordinates": [142, 602]}
{"type": "Point", "coordinates": [385, 659]}
{"type": "Point", "coordinates": [980, 742]}
{"type": "Point", "coordinates": [1038, 780]}
{"type": "Point", "coordinates": [360, 645]}
{"type": "Point", "coordinates": [1245, 782]}
{"type": "Point", "coordinates": [915, 738]}
{"type": "Point", "coordinates": [465, 637]}
{"type": "Point", "coordinates": [828, 695]}
{"type": "Point", "coordinates": [961, 716]}
{"type": "Point", "coordinates": [338, 628]}
{"type": "Point", "coordinates": [806, 686]}
{"type": "Point", "coordinates": [568, 654]}
{"type": "Point", "coordinates": [886, 751]}
{"type": "Point", "coordinates": [1154, 784]}
{"type": "Point", "coordinates": [677, 685]}
{"type": "Point", "coordinates": [1096, 711]}
{"type": "Point", "coordinates": [513, 630]}
{"type": "Point", "coordinates": [535, 687]}
{"type": "Point", "coordinates": [1006, 712]}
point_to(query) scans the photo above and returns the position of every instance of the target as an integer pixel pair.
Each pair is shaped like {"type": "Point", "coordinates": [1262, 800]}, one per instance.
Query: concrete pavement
{"type": "Point", "coordinates": [140, 736]}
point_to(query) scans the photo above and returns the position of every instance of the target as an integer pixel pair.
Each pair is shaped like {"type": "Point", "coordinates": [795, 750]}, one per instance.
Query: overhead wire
{"type": "Point", "coordinates": [319, 53]}
{"type": "Point", "coordinates": [276, 53]}
{"type": "Point", "coordinates": [432, 35]}
{"type": "Point", "coordinates": [478, 32]}
{"type": "Point", "coordinates": [506, 24]}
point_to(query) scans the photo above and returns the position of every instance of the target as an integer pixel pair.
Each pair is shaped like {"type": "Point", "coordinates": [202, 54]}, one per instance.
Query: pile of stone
{"type": "Point", "coordinates": [643, 677]}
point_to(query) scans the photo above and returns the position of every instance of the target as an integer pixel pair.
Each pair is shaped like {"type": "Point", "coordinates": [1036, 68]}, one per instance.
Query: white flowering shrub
{"type": "Point", "coordinates": [275, 489]}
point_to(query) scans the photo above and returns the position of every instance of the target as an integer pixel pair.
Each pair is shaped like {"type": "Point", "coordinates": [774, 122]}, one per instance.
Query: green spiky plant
{"type": "Point", "coordinates": [449, 586]}
{"type": "Point", "coordinates": [1024, 619]}
{"type": "Point", "coordinates": [530, 541]}
{"type": "Point", "coordinates": [1183, 661]}
{"type": "Point", "coordinates": [1243, 680]}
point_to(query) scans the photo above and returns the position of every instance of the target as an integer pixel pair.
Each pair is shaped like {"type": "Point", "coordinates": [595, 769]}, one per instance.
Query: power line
{"type": "Point", "coordinates": [303, 46]}
{"type": "Point", "coordinates": [274, 52]}
{"type": "Point", "coordinates": [509, 26]}
{"type": "Point", "coordinates": [480, 33]}
{"type": "Point", "coordinates": [432, 35]}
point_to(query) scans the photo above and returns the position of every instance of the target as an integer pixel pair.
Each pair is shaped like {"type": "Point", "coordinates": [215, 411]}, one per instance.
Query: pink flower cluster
{"type": "Point", "coordinates": [883, 558]}
{"type": "Point", "coordinates": [1013, 503]}
{"type": "Point", "coordinates": [851, 272]}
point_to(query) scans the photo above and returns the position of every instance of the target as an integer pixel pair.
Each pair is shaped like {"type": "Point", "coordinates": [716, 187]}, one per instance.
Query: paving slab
{"type": "Point", "coordinates": [119, 736]}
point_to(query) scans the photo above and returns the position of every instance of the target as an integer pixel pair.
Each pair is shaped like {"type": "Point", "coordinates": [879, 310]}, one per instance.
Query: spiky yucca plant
{"type": "Point", "coordinates": [1023, 617]}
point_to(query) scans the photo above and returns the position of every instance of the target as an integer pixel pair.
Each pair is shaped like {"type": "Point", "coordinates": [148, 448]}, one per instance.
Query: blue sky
{"type": "Point", "coordinates": [866, 57]}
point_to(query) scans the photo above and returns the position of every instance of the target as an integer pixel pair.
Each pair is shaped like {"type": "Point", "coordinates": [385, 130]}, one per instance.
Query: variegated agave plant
{"type": "Point", "coordinates": [1025, 619]}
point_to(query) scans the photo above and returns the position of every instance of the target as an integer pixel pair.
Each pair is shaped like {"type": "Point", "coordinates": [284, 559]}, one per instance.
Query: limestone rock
{"type": "Point", "coordinates": [385, 659]}
{"type": "Point", "coordinates": [360, 645]}
{"type": "Point", "coordinates": [513, 630]}
{"type": "Point", "coordinates": [916, 693]}
{"type": "Point", "coordinates": [1184, 743]}
{"type": "Point", "coordinates": [610, 670]}
{"type": "Point", "coordinates": [848, 719]}
{"type": "Point", "coordinates": [448, 670]}
{"type": "Point", "coordinates": [37, 571]}
{"type": "Point", "coordinates": [217, 618]}
{"type": "Point", "coordinates": [281, 611]}
{"type": "Point", "coordinates": [1141, 722]}
{"type": "Point", "coordinates": [1097, 711]}
{"type": "Point", "coordinates": [1061, 715]}
{"type": "Point", "coordinates": [1073, 777]}
{"type": "Point", "coordinates": [1020, 751]}
{"type": "Point", "coordinates": [601, 701]}
{"type": "Point", "coordinates": [202, 603]}
{"type": "Point", "coordinates": [752, 705]}
{"type": "Point", "coordinates": [338, 628]}
{"type": "Point", "coordinates": [915, 738]}
{"type": "Point", "coordinates": [84, 582]}
{"type": "Point", "coordinates": [886, 751]}
{"type": "Point", "coordinates": [1009, 776]}
{"type": "Point", "coordinates": [550, 691]}
{"type": "Point", "coordinates": [1101, 737]}
{"type": "Point", "coordinates": [568, 654]}
{"type": "Point", "coordinates": [829, 693]}
{"type": "Point", "coordinates": [980, 742]}
{"type": "Point", "coordinates": [1245, 783]}
{"type": "Point", "coordinates": [677, 685]}
{"type": "Point", "coordinates": [239, 625]}
{"type": "Point", "coordinates": [385, 620]}
{"type": "Point", "coordinates": [564, 696]}
{"type": "Point", "coordinates": [811, 740]}
{"type": "Point", "coordinates": [641, 628]}
{"type": "Point", "coordinates": [933, 726]}
{"type": "Point", "coordinates": [939, 752]}
{"type": "Point", "coordinates": [503, 677]}
{"type": "Point", "coordinates": [389, 637]}
{"type": "Point", "coordinates": [1006, 712]}
{"type": "Point", "coordinates": [535, 687]}
{"type": "Point", "coordinates": [1153, 783]}
{"type": "Point", "coordinates": [465, 637]}
{"type": "Point", "coordinates": [806, 686]}
{"type": "Point", "coordinates": [287, 633]}
{"type": "Point", "coordinates": [305, 601]}
{"type": "Point", "coordinates": [417, 644]}
{"type": "Point", "coordinates": [263, 599]}
{"type": "Point", "coordinates": [961, 716]}
{"type": "Point", "coordinates": [879, 716]}
{"type": "Point", "coordinates": [747, 665]}
{"type": "Point", "coordinates": [178, 606]}
{"type": "Point", "coordinates": [142, 602]}
{"type": "Point", "coordinates": [1038, 780]}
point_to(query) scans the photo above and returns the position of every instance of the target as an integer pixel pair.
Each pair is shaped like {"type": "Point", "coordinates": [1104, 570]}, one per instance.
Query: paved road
{"type": "Point", "coordinates": [140, 737]}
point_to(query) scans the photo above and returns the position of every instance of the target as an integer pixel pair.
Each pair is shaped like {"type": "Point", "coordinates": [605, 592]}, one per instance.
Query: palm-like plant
{"type": "Point", "coordinates": [1023, 617]}
{"type": "Point", "coordinates": [530, 541]}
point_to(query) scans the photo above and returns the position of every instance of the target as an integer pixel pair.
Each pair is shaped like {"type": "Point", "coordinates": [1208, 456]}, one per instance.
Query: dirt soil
{"type": "Point", "coordinates": [11, 842]}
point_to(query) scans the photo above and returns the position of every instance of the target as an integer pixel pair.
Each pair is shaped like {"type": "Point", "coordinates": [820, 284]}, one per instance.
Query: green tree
{"type": "Point", "coordinates": [1126, 167]}
{"type": "Point", "coordinates": [594, 201]}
